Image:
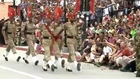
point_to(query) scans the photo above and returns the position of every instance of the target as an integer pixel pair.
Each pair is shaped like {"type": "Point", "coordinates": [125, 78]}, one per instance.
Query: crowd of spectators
{"type": "Point", "coordinates": [110, 34]}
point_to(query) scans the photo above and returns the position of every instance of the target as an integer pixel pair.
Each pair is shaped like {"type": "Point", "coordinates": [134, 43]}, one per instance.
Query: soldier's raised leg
{"type": "Point", "coordinates": [31, 51]}
{"type": "Point", "coordinates": [72, 56]}
{"type": "Point", "coordinates": [58, 47]}
{"type": "Point", "coordinates": [47, 45]}
{"type": "Point", "coordinates": [10, 46]}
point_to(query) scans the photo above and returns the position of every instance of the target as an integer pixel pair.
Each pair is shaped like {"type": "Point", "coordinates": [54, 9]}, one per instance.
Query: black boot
{"type": "Point", "coordinates": [63, 63]}
{"type": "Point", "coordinates": [19, 57]}
{"type": "Point", "coordinates": [25, 60]}
{"type": "Point", "coordinates": [6, 58]}
{"type": "Point", "coordinates": [78, 66]}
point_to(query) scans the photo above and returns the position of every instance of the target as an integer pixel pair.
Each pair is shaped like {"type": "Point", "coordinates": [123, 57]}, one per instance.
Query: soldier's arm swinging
{"type": "Point", "coordinates": [3, 31]}
{"type": "Point", "coordinates": [23, 30]}
{"type": "Point", "coordinates": [15, 32]}
{"type": "Point", "coordinates": [40, 33]}
{"type": "Point", "coordinates": [80, 24]}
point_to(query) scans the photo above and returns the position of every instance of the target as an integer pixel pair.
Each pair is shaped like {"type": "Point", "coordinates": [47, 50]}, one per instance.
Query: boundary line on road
{"type": "Point", "coordinates": [20, 72]}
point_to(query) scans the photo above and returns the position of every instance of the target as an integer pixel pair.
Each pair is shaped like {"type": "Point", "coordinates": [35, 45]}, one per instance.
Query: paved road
{"type": "Point", "coordinates": [14, 70]}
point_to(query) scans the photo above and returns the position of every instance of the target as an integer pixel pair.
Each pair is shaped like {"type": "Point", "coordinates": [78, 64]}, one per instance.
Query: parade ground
{"type": "Point", "coordinates": [19, 70]}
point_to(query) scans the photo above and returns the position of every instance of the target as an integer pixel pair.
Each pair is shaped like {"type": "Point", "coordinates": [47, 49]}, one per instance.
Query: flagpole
{"type": "Point", "coordinates": [65, 11]}
{"type": "Point", "coordinates": [85, 11]}
{"type": "Point", "coordinates": [13, 3]}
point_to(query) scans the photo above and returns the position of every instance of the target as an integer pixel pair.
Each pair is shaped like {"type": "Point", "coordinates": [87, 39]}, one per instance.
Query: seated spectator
{"type": "Point", "coordinates": [111, 38]}
{"type": "Point", "coordinates": [91, 57]}
{"type": "Point", "coordinates": [107, 51]}
{"type": "Point", "coordinates": [123, 54]}
{"type": "Point", "coordinates": [86, 49]}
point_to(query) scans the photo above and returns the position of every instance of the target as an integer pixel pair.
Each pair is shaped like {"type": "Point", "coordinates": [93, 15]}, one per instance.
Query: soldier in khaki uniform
{"type": "Point", "coordinates": [71, 31]}
{"type": "Point", "coordinates": [58, 42]}
{"type": "Point", "coordinates": [28, 32]}
{"type": "Point", "coordinates": [9, 33]}
{"type": "Point", "coordinates": [47, 42]}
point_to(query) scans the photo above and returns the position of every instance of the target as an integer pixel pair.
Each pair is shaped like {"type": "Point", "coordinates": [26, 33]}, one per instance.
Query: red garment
{"type": "Point", "coordinates": [71, 15]}
{"type": "Point", "coordinates": [77, 8]}
{"type": "Point", "coordinates": [38, 34]}
{"type": "Point", "coordinates": [58, 12]}
{"type": "Point", "coordinates": [92, 6]}
{"type": "Point", "coordinates": [11, 12]}
{"type": "Point", "coordinates": [48, 12]}
{"type": "Point", "coordinates": [126, 52]}
{"type": "Point", "coordinates": [29, 11]}
{"type": "Point", "coordinates": [130, 17]}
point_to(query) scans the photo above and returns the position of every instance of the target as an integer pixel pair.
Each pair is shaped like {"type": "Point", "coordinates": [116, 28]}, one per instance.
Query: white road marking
{"type": "Point", "coordinates": [20, 72]}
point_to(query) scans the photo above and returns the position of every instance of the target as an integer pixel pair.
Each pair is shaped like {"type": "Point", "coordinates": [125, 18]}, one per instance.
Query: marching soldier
{"type": "Point", "coordinates": [47, 43]}
{"type": "Point", "coordinates": [28, 32]}
{"type": "Point", "coordinates": [71, 31]}
{"type": "Point", "coordinates": [137, 43]}
{"type": "Point", "coordinates": [58, 42]}
{"type": "Point", "coordinates": [9, 33]}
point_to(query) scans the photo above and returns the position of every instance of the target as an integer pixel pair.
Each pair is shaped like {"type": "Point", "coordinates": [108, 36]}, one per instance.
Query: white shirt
{"type": "Point", "coordinates": [106, 50]}
{"type": "Point", "coordinates": [17, 2]}
{"type": "Point", "coordinates": [38, 1]}
{"type": "Point", "coordinates": [137, 3]}
{"type": "Point", "coordinates": [106, 11]}
{"type": "Point", "coordinates": [62, 2]}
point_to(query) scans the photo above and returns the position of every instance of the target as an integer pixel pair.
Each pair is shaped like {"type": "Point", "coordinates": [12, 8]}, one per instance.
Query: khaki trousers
{"type": "Point", "coordinates": [11, 45]}
{"type": "Point", "coordinates": [57, 47]}
{"type": "Point", "coordinates": [71, 43]}
{"type": "Point", "coordinates": [47, 45]}
{"type": "Point", "coordinates": [30, 42]}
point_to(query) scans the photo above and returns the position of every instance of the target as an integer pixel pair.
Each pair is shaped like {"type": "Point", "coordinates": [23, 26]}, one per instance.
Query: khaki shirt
{"type": "Point", "coordinates": [57, 29]}
{"type": "Point", "coordinates": [44, 31]}
{"type": "Point", "coordinates": [30, 27]}
{"type": "Point", "coordinates": [10, 29]}
{"type": "Point", "coordinates": [71, 29]}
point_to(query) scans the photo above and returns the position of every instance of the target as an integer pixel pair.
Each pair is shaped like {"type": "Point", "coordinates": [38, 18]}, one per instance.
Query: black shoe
{"type": "Point", "coordinates": [36, 62]}
{"type": "Point", "coordinates": [63, 63]}
{"type": "Point", "coordinates": [78, 66]}
{"type": "Point", "coordinates": [138, 74]}
{"type": "Point", "coordinates": [44, 69]}
{"type": "Point", "coordinates": [69, 70]}
{"type": "Point", "coordinates": [55, 67]}
{"type": "Point", "coordinates": [52, 68]}
{"type": "Point", "coordinates": [18, 59]}
{"type": "Point", "coordinates": [6, 58]}
{"type": "Point", "coordinates": [26, 61]}
{"type": "Point", "coordinates": [48, 66]}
